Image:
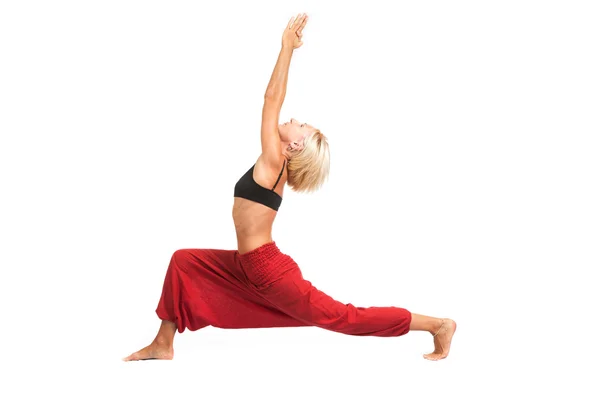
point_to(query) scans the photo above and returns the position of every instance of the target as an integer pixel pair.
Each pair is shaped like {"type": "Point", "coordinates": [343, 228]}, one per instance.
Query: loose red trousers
{"type": "Point", "coordinates": [263, 288]}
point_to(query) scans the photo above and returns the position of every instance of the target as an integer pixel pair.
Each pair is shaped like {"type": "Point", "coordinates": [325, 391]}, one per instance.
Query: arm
{"type": "Point", "coordinates": [276, 90]}
{"type": "Point", "coordinates": [274, 96]}
{"type": "Point", "coordinates": [278, 83]}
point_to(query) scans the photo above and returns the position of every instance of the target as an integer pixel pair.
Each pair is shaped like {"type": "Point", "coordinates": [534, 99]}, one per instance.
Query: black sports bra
{"type": "Point", "coordinates": [247, 188]}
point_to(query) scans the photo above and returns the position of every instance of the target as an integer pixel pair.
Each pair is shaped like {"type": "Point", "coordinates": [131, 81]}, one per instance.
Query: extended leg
{"type": "Point", "coordinates": [298, 298]}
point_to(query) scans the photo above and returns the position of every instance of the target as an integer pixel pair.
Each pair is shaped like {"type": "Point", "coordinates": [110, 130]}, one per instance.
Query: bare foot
{"type": "Point", "coordinates": [154, 351]}
{"type": "Point", "coordinates": [442, 340]}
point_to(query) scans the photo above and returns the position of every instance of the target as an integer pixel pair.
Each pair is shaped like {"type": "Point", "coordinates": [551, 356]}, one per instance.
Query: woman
{"type": "Point", "coordinates": [257, 286]}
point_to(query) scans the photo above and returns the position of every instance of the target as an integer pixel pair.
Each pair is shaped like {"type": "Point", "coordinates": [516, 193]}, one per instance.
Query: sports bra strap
{"type": "Point", "coordinates": [279, 176]}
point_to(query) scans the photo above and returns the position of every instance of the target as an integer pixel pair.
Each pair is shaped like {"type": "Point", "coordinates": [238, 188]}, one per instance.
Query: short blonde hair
{"type": "Point", "coordinates": [308, 168]}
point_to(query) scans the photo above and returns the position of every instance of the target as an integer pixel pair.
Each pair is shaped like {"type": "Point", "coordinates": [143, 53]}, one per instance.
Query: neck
{"type": "Point", "coordinates": [284, 150]}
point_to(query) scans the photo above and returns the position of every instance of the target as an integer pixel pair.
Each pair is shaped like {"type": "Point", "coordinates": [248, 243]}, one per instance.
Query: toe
{"type": "Point", "coordinates": [432, 356]}
{"type": "Point", "coordinates": [131, 357]}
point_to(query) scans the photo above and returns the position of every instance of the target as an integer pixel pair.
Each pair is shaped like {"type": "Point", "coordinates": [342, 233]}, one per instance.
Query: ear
{"type": "Point", "coordinates": [295, 146]}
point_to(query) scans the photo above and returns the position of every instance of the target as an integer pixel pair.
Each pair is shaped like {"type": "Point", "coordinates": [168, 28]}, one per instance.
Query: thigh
{"type": "Point", "coordinates": [300, 299]}
{"type": "Point", "coordinates": [216, 289]}
{"type": "Point", "coordinates": [211, 264]}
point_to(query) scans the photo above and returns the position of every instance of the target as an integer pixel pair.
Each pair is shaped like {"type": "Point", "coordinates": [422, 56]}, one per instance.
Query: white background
{"type": "Point", "coordinates": [464, 183]}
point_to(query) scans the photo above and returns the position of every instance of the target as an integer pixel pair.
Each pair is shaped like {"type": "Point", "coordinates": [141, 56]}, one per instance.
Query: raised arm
{"type": "Point", "coordinates": [276, 90]}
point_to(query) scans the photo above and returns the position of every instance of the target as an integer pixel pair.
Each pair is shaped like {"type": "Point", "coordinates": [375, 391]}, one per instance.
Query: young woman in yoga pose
{"type": "Point", "coordinates": [258, 286]}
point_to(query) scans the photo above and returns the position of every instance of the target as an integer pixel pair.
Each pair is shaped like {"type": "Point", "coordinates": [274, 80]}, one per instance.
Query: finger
{"type": "Point", "coordinates": [290, 23]}
{"type": "Point", "coordinates": [298, 21]}
{"type": "Point", "coordinates": [294, 20]}
{"type": "Point", "coordinates": [303, 23]}
{"type": "Point", "coordinates": [299, 30]}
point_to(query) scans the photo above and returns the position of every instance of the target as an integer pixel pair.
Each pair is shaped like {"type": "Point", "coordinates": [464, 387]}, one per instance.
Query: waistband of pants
{"type": "Point", "coordinates": [261, 254]}
{"type": "Point", "coordinates": [266, 263]}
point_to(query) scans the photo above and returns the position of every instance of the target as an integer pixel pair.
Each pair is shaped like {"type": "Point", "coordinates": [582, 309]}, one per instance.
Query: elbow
{"type": "Point", "coordinates": [273, 97]}
{"type": "Point", "coordinates": [274, 93]}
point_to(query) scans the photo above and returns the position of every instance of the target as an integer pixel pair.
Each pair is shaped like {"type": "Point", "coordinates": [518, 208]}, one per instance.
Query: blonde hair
{"type": "Point", "coordinates": [308, 168]}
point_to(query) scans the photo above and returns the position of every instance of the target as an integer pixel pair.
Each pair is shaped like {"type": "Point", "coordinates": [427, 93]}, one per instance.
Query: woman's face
{"type": "Point", "coordinates": [294, 131]}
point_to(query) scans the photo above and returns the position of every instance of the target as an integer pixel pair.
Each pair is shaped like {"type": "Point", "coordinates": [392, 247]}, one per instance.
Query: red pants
{"type": "Point", "coordinates": [263, 288]}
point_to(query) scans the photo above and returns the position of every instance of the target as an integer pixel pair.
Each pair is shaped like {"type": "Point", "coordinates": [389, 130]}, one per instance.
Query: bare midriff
{"type": "Point", "coordinates": [253, 224]}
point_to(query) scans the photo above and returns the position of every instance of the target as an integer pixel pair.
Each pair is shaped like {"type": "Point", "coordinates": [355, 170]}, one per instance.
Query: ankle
{"type": "Point", "coordinates": [436, 325]}
{"type": "Point", "coordinates": [163, 341]}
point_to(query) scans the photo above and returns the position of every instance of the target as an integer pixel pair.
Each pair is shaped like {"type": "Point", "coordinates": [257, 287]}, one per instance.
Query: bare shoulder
{"type": "Point", "coordinates": [268, 169]}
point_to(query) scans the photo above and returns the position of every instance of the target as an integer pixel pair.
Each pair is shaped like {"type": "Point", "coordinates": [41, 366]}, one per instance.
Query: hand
{"type": "Point", "coordinates": [292, 36]}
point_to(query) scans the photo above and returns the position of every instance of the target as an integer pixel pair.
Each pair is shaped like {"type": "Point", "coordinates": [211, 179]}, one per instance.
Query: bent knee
{"type": "Point", "coordinates": [182, 258]}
